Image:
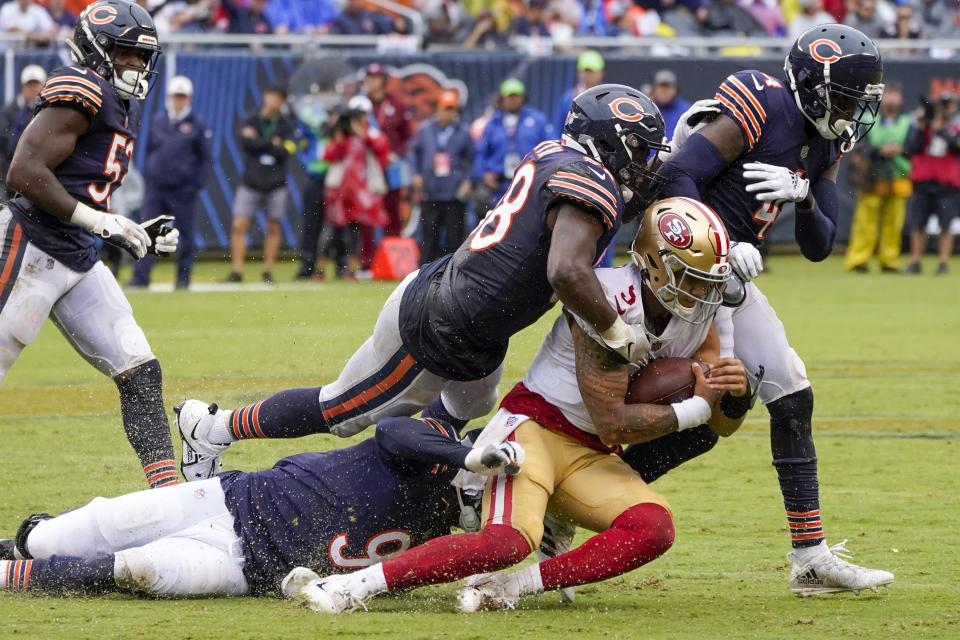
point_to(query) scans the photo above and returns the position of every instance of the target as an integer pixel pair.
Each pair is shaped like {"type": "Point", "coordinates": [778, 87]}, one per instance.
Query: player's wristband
{"type": "Point", "coordinates": [691, 413]}
{"type": "Point", "coordinates": [86, 216]}
{"type": "Point", "coordinates": [735, 407]}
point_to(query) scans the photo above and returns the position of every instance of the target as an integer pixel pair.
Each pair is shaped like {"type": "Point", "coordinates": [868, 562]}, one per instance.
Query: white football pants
{"type": "Point", "coordinates": [172, 541]}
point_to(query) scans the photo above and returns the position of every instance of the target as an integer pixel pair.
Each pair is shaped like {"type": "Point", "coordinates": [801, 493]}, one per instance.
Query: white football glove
{"type": "Point", "coordinates": [494, 459]}
{"type": "Point", "coordinates": [775, 183]}
{"type": "Point", "coordinates": [164, 237]}
{"type": "Point", "coordinates": [630, 341]}
{"type": "Point", "coordinates": [116, 230]}
{"type": "Point", "coordinates": [292, 586]}
{"type": "Point", "coordinates": [702, 111]}
{"type": "Point", "coordinates": [745, 260]}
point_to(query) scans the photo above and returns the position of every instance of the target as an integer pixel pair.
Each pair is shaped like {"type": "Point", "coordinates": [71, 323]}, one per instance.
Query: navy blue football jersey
{"type": "Point", "coordinates": [775, 132]}
{"type": "Point", "coordinates": [93, 171]}
{"type": "Point", "coordinates": [345, 509]}
{"type": "Point", "coordinates": [457, 316]}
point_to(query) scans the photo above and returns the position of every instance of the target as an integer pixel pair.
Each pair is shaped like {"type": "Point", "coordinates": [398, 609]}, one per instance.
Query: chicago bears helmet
{"type": "Point", "coordinates": [836, 76]}
{"type": "Point", "coordinates": [682, 247]}
{"type": "Point", "coordinates": [108, 25]}
{"type": "Point", "coordinates": [623, 129]}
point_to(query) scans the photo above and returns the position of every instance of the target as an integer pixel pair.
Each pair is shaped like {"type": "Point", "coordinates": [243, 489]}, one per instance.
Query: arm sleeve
{"type": "Point", "coordinates": [419, 446]}
{"type": "Point", "coordinates": [815, 230]}
{"type": "Point", "coordinates": [742, 96]}
{"type": "Point", "coordinates": [591, 187]}
{"type": "Point", "coordinates": [70, 88]}
{"type": "Point", "coordinates": [697, 163]}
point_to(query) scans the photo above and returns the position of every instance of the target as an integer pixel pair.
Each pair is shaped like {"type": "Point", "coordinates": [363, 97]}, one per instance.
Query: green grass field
{"type": "Point", "coordinates": [883, 353]}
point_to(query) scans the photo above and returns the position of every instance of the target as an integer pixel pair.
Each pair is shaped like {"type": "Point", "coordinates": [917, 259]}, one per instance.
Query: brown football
{"type": "Point", "coordinates": [663, 381]}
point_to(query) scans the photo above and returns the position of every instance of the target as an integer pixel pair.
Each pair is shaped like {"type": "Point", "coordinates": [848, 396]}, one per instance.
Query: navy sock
{"type": "Point", "coordinates": [293, 413]}
{"type": "Point", "coordinates": [59, 574]}
{"type": "Point", "coordinates": [654, 458]}
{"type": "Point", "coordinates": [437, 411]}
{"type": "Point", "coordinates": [795, 459]}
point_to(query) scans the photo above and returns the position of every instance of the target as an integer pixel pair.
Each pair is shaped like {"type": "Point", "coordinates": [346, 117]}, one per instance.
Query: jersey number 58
{"type": "Point", "coordinates": [496, 224]}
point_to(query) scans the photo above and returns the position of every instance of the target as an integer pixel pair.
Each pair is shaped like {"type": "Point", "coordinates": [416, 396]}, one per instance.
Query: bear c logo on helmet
{"type": "Point", "coordinates": [633, 113]}
{"type": "Point", "coordinates": [102, 15]}
{"type": "Point", "coordinates": [676, 231]}
{"type": "Point", "coordinates": [830, 44]}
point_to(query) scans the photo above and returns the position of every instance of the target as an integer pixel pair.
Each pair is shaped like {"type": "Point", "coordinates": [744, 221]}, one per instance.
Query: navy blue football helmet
{"type": "Point", "coordinates": [623, 129]}
{"type": "Point", "coordinates": [108, 25]}
{"type": "Point", "coordinates": [836, 75]}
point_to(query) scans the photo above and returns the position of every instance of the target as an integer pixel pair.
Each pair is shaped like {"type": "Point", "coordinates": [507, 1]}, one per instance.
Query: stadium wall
{"type": "Point", "coordinates": [229, 84]}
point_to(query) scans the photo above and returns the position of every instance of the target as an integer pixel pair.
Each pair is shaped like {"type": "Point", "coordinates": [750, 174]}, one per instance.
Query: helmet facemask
{"type": "Point", "coordinates": [688, 293]}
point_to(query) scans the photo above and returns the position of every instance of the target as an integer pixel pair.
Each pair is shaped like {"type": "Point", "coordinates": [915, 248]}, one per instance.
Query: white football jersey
{"type": "Point", "coordinates": [553, 372]}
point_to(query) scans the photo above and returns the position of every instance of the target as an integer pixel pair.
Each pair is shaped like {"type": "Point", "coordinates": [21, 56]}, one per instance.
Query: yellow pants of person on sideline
{"type": "Point", "coordinates": [876, 216]}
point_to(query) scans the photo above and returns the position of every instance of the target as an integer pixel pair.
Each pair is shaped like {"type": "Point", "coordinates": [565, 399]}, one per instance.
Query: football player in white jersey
{"type": "Point", "coordinates": [569, 414]}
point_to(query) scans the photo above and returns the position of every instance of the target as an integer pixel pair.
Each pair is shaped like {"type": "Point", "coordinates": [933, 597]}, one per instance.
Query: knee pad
{"type": "Point", "coordinates": [28, 525]}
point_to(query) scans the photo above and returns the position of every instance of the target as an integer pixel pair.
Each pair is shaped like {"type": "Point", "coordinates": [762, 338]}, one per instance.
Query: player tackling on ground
{"type": "Point", "coordinates": [569, 415]}
{"type": "Point", "coordinates": [71, 158]}
{"type": "Point", "coordinates": [441, 337]}
{"type": "Point", "coordinates": [778, 141]}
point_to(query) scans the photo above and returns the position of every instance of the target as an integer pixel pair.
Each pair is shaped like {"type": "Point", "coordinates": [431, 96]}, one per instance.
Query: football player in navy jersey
{"type": "Point", "coordinates": [70, 159]}
{"type": "Point", "coordinates": [774, 141]}
{"type": "Point", "coordinates": [441, 337]}
{"type": "Point", "coordinates": [241, 533]}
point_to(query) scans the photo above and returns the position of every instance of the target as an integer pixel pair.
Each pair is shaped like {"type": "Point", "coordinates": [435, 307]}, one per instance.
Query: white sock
{"type": "Point", "coordinates": [221, 431]}
{"type": "Point", "coordinates": [806, 554]}
{"type": "Point", "coordinates": [527, 580]}
{"type": "Point", "coordinates": [368, 582]}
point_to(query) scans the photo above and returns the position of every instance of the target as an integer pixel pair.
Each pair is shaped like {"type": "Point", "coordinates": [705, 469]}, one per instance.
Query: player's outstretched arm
{"type": "Point", "coordinates": [47, 141]}
{"type": "Point", "coordinates": [602, 377]}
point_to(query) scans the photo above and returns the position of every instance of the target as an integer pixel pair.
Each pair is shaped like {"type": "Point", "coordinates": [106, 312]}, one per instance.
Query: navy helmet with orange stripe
{"type": "Point", "coordinates": [106, 26]}
{"type": "Point", "coordinates": [836, 75]}
{"type": "Point", "coordinates": [623, 129]}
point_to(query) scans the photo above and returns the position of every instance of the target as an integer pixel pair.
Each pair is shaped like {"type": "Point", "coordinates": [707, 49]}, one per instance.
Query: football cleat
{"type": "Point", "coordinates": [201, 458]}
{"type": "Point", "coordinates": [557, 539]}
{"type": "Point", "coordinates": [330, 595]}
{"type": "Point", "coordinates": [830, 572]}
{"type": "Point", "coordinates": [488, 592]}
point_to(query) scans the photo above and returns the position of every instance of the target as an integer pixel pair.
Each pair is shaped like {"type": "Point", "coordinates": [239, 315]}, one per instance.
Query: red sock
{"type": "Point", "coordinates": [640, 534]}
{"type": "Point", "coordinates": [456, 556]}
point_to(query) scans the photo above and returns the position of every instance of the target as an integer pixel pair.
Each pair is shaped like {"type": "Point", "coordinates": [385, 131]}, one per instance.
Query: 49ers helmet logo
{"type": "Point", "coordinates": [628, 109]}
{"type": "Point", "coordinates": [676, 231]}
{"type": "Point", "coordinates": [818, 45]}
{"type": "Point", "coordinates": [102, 15]}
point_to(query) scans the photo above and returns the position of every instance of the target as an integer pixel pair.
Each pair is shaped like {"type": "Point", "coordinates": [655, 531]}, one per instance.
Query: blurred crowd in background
{"type": "Point", "coordinates": [497, 23]}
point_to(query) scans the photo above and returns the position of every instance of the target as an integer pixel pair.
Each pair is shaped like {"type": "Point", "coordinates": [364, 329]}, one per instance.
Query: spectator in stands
{"type": "Point", "coordinates": [191, 16]}
{"type": "Point", "coordinates": [62, 17]}
{"type": "Point", "coordinates": [267, 139]}
{"type": "Point", "coordinates": [395, 120]}
{"type": "Point", "coordinates": [16, 115]}
{"type": "Point", "coordinates": [813, 15]}
{"type": "Point", "coordinates": [355, 20]}
{"type": "Point", "coordinates": [938, 18]}
{"type": "Point", "coordinates": [178, 163]}
{"type": "Point", "coordinates": [727, 18]}
{"type": "Point", "coordinates": [441, 157]}
{"type": "Point", "coordinates": [315, 129]}
{"type": "Point", "coordinates": [678, 15]}
{"type": "Point", "coordinates": [532, 21]}
{"type": "Point", "coordinates": [665, 93]}
{"type": "Point", "coordinates": [589, 74]}
{"type": "Point", "coordinates": [301, 16]}
{"type": "Point", "coordinates": [512, 132]}
{"type": "Point", "coordinates": [248, 19]}
{"type": "Point", "coordinates": [933, 145]}
{"type": "Point", "coordinates": [28, 18]}
{"type": "Point", "coordinates": [446, 19]}
{"type": "Point", "coordinates": [905, 27]}
{"type": "Point", "coordinates": [595, 20]}
{"type": "Point", "coordinates": [881, 173]}
{"type": "Point", "coordinates": [355, 183]}
{"type": "Point", "coordinates": [768, 14]}
{"type": "Point", "coordinates": [484, 32]}
{"type": "Point", "coordinates": [867, 19]}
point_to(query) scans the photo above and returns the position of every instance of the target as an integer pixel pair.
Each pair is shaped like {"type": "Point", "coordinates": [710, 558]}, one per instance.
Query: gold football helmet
{"type": "Point", "coordinates": [682, 247]}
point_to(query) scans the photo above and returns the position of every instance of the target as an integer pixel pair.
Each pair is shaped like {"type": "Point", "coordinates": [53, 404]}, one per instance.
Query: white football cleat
{"type": "Point", "coordinates": [488, 592]}
{"type": "Point", "coordinates": [330, 595]}
{"type": "Point", "coordinates": [829, 572]}
{"type": "Point", "coordinates": [201, 458]}
{"type": "Point", "coordinates": [557, 539]}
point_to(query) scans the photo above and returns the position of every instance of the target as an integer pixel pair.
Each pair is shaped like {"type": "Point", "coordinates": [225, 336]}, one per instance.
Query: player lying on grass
{"type": "Point", "coordinates": [440, 339]}
{"type": "Point", "coordinates": [570, 416]}
{"type": "Point", "coordinates": [240, 533]}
